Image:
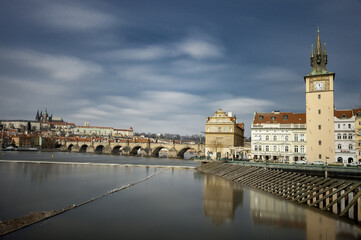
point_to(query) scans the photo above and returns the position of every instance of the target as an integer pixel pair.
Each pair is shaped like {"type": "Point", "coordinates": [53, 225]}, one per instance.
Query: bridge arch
{"type": "Point", "coordinates": [155, 152]}
{"type": "Point", "coordinates": [183, 151]}
{"type": "Point", "coordinates": [99, 149]}
{"type": "Point", "coordinates": [70, 147]}
{"type": "Point", "coordinates": [116, 150]}
{"type": "Point", "coordinates": [135, 150]}
{"type": "Point", "coordinates": [83, 148]}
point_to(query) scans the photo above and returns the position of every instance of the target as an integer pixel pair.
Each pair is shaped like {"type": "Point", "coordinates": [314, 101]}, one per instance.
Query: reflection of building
{"type": "Point", "coordinates": [269, 210]}
{"type": "Point", "coordinates": [320, 226]}
{"type": "Point", "coordinates": [279, 136]}
{"type": "Point", "coordinates": [220, 199]}
{"type": "Point", "coordinates": [223, 132]}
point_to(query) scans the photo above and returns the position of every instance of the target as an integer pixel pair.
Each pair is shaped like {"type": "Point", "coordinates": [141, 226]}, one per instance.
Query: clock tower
{"type": "Point", "coordinates": [320, 107]}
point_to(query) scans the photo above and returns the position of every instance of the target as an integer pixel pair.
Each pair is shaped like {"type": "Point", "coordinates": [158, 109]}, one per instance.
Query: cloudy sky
{"type": "Point", "coordinates": [165, 65]}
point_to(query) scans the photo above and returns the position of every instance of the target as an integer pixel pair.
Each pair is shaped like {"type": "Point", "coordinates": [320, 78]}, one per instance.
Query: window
{"type": "Point", "coordinates": [274, 138]}
{"type": "Point", "coordinates": [339, 146]}
{"type": "Point", "coordinates": [219, 140]}
{"type": "Point", "coordinates": [267, 138]}
{"type": "Point", "coordinates": [344, 136]}
{"type": "Point", "coordinates": [339, 136]}
{"type": "Point", "coordinates": [320, 156]}
{"type": "Point", "coordinates": [212, 129]}
{"type": "Point", "coordinates": [302, 137]}
{"type": "Point", "coordinates": [319, 126]}
{"type": "Point", "coordinates": [349, 125]}
{"type": "Point", "coordinates": [285, 117]}
{"type": "Point", "coordinates": [273, 118]}
{"type": "Point", "coordinates": [344, 126]}
{"type": "Point", "coordinates": [319, 111]}
{"type": "Point", "coordinates": [286, 148]}
{"type": "Point", "coordinates": [319, 96]}
{"type": "Point", "coordinates": [350, 136]}
{"type": "Point", "coordinates": [282, 148]}
{"type": "Point", "coordinates": [338, 126]}
{"type": "Point", "coordinates": [267, 148]}
{"type": "Point", "coordinates": [296, 149]}
{"type": "Point", "coordinates": [350, 147]}
{"type": "Point", "coordinates": [296, 137]}
{"type": "Point", "coordinates": [302, 149]}
{"type": "Point", "coordinates": [275, 148]}
{"type": "Point", "coordinates": [256, 147]}
{"type": "Point", "coordinates": [319, 142]}
{"type": "Point", "coordinates": [260, 117]}
{"type": "Point", "coordinates": [219, 129]}
{"type": "Point", "coordinates": [259, 148]}
{"type": "Point", "coordinates": [286, 138]}
{"type": "Point", "coordinates": [359, 143]}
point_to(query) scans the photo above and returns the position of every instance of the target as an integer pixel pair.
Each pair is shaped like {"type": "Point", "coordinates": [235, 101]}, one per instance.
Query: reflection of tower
{"type": "Point", "coordinates": [220, 199]}
{"type": "Point", "coordinates": [268, 210]}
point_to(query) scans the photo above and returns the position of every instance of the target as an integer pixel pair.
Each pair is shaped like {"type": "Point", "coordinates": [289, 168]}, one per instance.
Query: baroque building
{"type": "Point", "coordinates": [222, 133]}
{"type": "Point", "coordinates": [357, 113]}
{"type": "Point", "coordinates": [320, 107]}
{"type": "Point", "coordinates": [278, 136]}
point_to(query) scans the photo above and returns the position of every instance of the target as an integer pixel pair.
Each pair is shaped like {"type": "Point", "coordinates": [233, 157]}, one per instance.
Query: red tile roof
{"type": "Point", "coordinates": [340, 113]}
{"type": "Point", "coordinates": [280, 117]}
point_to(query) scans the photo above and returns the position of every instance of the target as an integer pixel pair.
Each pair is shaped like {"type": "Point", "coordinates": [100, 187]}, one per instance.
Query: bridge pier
{"type": "Point", "coordinates": [172, 153]}
{"type": "Point", "coordinates": [90, 149]}
{"type": "Point", "coordinates": [75, 148]}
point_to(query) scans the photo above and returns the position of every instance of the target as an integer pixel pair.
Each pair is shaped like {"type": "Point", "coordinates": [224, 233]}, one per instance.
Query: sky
{"type": "Point", "coordinates": [163, 66]}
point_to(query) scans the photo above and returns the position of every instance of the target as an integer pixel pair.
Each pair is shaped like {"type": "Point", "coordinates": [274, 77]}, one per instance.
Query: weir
{"type": "Point", "coordinates": [341, 197]}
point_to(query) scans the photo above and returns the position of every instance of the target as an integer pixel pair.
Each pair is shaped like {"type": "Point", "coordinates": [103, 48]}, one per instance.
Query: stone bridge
{"type": "Point", "coordinates": [147, 149]}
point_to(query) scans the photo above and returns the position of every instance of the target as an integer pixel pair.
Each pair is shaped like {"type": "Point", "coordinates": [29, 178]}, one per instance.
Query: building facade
{"type": "Point", "coordinates": [345, 144]}
{"type": "Point", "coordinates": [357, 113]}
{"type": "Point", "coordinates": [320, 107]}
{"type": "Point", "coordinates": [222, 133]}
{"type": "Point", "coordinates": [278, 136]}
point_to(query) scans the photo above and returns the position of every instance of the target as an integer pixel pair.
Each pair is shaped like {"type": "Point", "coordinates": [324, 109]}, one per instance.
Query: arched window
{"type": "Point", "coordinates": [339, 146]}
{"type": "Point", "coordinates": [286, 148]}
{"type": "Point", "coordinates": [344, 136]}
{"type": "Point", "coordinates": [275, 148]}
{"type": "Point", "coordinates": [267, 148]}
{"type": "Point", "coordinates": [339, 136]}
{"type": "Point", "coordinates": [296, 149]}
{"type": "Point", "coordinates": [350, 136]}
{"type": "Point", "coordinates": [274, 138]}
{"type": "Point", "coordinates": [296, 137]}
{"type": "Point", "coordinates": [259, 148]}
{"type": "Point", "coordinates": [302, 149]}
{"type": "Point", "coordinates": [267, 138]}
{"type": "Point", "coordinates": [255, 147]}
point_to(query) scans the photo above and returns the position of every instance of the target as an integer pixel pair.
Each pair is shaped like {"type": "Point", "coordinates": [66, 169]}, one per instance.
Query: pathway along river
{"type": "Point", "coordinates": [178, 203]}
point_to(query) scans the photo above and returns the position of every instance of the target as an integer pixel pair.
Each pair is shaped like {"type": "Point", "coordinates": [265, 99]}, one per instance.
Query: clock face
{"type": "Point", "coordinates": [319, 86]}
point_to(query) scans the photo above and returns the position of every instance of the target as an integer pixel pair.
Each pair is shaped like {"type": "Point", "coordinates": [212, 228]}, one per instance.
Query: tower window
{"type": "Point", "coordinates": [319, 96]}
{"type": "Point", "coordinates": [319, 111]}
{"type": "Point", "coordinates": [319, 142]}
{"type": "Point", "coordinates": [320, 156]}
{"type": "Point", "coordinates": [319, 126]}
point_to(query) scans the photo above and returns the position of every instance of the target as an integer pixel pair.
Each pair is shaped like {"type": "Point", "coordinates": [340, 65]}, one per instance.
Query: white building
{"type": "Point", "coordinates": [279, 136]}
{"type": "Point", "coordinates": [345, 147]}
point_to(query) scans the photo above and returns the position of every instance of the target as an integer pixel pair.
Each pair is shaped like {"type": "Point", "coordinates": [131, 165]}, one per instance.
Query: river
{"type": "Point", "coordinates": [177, 203]}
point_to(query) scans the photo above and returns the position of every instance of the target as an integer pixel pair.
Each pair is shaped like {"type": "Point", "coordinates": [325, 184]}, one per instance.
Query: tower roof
{"type": "Point", "coordinates": [318, 58]}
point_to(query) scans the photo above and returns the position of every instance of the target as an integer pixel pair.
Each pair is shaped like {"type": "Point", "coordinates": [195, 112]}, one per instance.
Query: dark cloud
{"type": "Point", "coordinates": [164, 66]}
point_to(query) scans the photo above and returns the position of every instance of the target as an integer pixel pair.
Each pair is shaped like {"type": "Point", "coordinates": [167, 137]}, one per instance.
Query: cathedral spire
{"type": "Point", "coordinates": [318, 57]}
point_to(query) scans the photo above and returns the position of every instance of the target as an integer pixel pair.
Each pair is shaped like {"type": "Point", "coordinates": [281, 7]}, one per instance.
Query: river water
{"type": "Point", "coordinates": [176, 203]}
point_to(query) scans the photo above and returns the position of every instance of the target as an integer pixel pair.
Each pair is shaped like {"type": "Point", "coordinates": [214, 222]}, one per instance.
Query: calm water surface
{"type": "Point", "coordinates": [175, 204]}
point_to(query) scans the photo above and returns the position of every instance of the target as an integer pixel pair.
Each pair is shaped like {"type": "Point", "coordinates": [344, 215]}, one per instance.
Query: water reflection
{"type": "Point", "coordinates": [220, 199]}
{"type": "Point", "coordinates": [268, 210]}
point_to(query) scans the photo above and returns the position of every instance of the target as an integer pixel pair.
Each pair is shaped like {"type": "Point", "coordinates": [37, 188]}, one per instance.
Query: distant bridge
{"type": "Point", "coordinates": [147, 149]}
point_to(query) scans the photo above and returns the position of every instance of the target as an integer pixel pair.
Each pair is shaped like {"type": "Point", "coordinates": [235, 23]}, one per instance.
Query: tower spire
{"type": "Point", "coordinates": [318, 57]}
